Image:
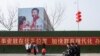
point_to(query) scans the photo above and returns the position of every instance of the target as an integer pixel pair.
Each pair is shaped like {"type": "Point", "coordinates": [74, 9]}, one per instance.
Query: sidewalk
{"type": "Point", "coordinates": [83, 54]}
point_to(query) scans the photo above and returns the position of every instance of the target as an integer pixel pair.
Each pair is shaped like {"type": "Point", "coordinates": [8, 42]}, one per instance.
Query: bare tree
{"type": "Point", "coordinates": [56, 14]}
{"type": "Point", "coordinates": [9, 22]}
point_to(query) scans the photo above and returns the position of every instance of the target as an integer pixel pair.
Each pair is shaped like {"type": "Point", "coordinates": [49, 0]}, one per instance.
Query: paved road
{"type": "Point", "coordinates": [85, 54]}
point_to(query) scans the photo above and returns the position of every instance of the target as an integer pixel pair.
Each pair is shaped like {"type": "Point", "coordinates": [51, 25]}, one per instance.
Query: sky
{"type": "Point", "coordinates": [90, 12]}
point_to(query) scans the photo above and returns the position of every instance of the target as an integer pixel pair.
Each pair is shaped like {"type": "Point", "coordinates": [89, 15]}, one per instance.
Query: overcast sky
{"type": "Point", "coordinates": [90, 12]}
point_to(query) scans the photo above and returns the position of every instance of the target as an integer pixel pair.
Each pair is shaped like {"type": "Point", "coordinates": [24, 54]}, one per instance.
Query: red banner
{"type": "Point", "coordinates": [50, 40]}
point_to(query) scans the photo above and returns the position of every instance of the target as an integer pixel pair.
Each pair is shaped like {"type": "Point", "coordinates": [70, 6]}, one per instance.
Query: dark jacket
{"type": "Point", "coordinates": [72, 50]}
{"type": "Point", "coordinates": [78, 50]}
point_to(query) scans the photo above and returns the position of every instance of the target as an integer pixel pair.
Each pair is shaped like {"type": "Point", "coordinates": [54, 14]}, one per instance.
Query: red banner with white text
{"type": "Point", "coordinates": [50, 40]}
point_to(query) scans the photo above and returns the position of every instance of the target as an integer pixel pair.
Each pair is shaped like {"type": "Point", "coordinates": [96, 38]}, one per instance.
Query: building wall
{"type": "Point", "coordinates": [47, 24]}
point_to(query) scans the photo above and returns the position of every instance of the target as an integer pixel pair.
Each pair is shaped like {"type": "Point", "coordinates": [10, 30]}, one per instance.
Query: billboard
{"type": "Point", "coordinates": [31, 19]}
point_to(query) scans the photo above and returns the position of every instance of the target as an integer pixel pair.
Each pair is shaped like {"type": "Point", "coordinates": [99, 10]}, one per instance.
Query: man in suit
{"type": "Point", "coordinates": [34, 48]}
{"type": "Point", "coordinates": [77, 48]}
{"type": "Point", "coordinates": [68, 50]}
{"type": "Point", "coordinates": [72, 47]}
